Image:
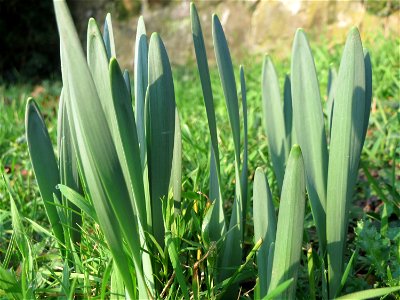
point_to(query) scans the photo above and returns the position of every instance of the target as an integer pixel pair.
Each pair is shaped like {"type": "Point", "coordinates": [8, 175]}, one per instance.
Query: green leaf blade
{"type": "Point", "coordinates": [274, 122]}
{"type": "Point", "coordinates": [101, 167]}
{"type": "Point", "coordinates": [160, 129]}
{"type": "Point", "coordinates": [232, 256]}
{"type": "Point", "coordinates": [310, 129]}
{"type": "Point", "coordinates": [264, 226]}
{"type": "Point", "coordinates": [372, 293]}
{"type": "Point", "coordinates": [228, 82]}
{"type": "Point", "coordinates": [345, 149]}
{"type": "Point", "coordinates": [289, 233]}
{"type": "Point", "coordinates": [140, 84]}
{"type": "Point", "coordinates": [44, 164]}
{"type": "Point", "coordinates": [217, 223]}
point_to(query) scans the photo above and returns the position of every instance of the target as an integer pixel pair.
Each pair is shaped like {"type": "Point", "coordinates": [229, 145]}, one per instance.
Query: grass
{"type": "Point", "coordinates": [376, 202]}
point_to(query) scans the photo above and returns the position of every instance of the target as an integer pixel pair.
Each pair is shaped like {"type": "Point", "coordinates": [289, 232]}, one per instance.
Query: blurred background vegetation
{"type": "Point", "coordinates": [29, 39]}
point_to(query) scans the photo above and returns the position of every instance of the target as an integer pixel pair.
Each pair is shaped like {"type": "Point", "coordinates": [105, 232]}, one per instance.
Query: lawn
{"type": "Point", "coordinates": [32, 264]}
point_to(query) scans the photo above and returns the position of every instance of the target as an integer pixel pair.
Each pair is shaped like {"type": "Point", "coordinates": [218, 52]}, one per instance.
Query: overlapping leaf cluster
{"type": "Point", "coordinates": [119, 163]}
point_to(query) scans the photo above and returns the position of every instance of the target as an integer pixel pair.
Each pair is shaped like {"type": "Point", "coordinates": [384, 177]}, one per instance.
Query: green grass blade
{"type": "Point", "coordinates": [372, 293]}
{"type": "Point", "coordinates": [10, 285]}
{"type": "Point", "coordinates": [161, 129]}
{"type": "Point", "coordinates": [239, 271]}
{"type": "Point", "coordinates": [79, 201]}
{"type": "Point", "coordinates": [311, 272]}
{"type": "Point", "coordinates": [141, 77]}
{"type": "Point", "coordinates": [279, 290]}
{"type": "Point", "coordinates": [310, 129]}
{"type": "Point", "coordinates": [18, 231]}
{"type": "Point", "coordinates": [243, 175]}
{"type": "Point", "coordinates": [232, 253]}
{"type": "Point", "coordinates": [289, 233]}
{"type": "Point", "coordinates": [345, 149]}
{"type": "Point", "coordinates": [274, 122]}
{"type": "Point", "coordinates": [217, 223]}
{"type": "Point", "coordinates": [117, 289]}
{"type": "Point", "coordinates": [264, 226]}
{"type": "Point", "coordinates": [288, 112]}
{"type": "Point", "coordinates": [44, 164]}
{"type": "Point", "coordinates": [109, 37]}
{"type": "Point", "coordinates": [347, 271]}
{"type": "Point", "coordinates": [176, 264]}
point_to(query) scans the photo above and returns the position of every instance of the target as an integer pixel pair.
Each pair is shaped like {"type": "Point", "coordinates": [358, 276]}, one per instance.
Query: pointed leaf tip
{"type": "Point", "coordinates": [296, 151]}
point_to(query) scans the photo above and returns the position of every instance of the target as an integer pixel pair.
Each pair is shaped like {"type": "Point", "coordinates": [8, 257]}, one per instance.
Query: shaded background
{"type": "Point", "coordinates": [29, 39]}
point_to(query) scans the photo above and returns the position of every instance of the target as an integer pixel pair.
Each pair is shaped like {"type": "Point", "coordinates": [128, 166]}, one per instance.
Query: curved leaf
{"type": "Point", "coordinates": [44, 164]}
{"type": "Point", "coordinates": [160, 129]}
{"type": "Point", "coordinates": [217, 222]}
{"type": "Point", "coordinates": [274, 122]}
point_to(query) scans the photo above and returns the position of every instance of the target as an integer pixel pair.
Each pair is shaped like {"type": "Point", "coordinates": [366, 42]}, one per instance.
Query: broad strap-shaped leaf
{"type": "Point", "coordinates": [106, 216]}
{"type": "Point", "coordinates": [289, 233]}
{"type": "Point", "coordinates": [98, 63]}
{"type": "Point", "coordinates": [232, 254]}
{"type": "Point", "coordinates": [116, 103]}
{"type": "Point", "coordinates": [100, 164]}
{"type": "Point", "coordinates": [69, 174]}
{"type": "Point", "coordinates": [264, 226]}
{"type": "Point", "coordinates": [127, 136]}
{"type": "Point", "coordinates": [127, 80]}
{"type": "Point", "coordinates": [140, 84]}
{"type": "Point", "coordinates": [176, 176]}
{"type": "Point", "coordinates": [108, 37]}
{"type": "Point", "coordinates": [129, 156]}
{"type": "Point", "coordinates": [274, 122]}
{"type": "Point", "coordinates": [270, 262]}
{"type": "Point", "coordinates": [345, 149]}
{"type": "Point", "coordinates": [228, 82]}
{"type": "Point", "coordinates": [44, 164]}
{"type": "Point", "coordinates": [217, 222]}
{"type": "Point", "coordinates": [160, 129]}
{"type": "Point", "coordinates": [288, 113]}
{"type": "Point", "coordinates": [243, 175]}
{"type": "Point", "coordinates": [332, 76]}
{"type": "Point", "coordinates": [368, 93]}
{"type": "Point", "coordinates": [310, 129]}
